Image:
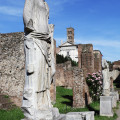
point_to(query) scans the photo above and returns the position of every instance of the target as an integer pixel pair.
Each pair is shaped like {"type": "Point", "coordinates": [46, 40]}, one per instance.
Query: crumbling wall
{"type": "Point", "coordinates": [116, 65]}
{"type": "Point", "coordinates": [78, 88]}
{"type": "Point", "coordinates": [62, 73]}
{"type": "Point", "coordinates": [74, 78]}
{"type": "Point", "coordinates": [86, 57]}
{"type": "Point", "coordinates": [12, 65]}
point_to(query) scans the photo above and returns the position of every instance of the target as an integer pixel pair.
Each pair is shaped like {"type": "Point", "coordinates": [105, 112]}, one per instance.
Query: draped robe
{"type": "Point", "coordinates": [38, 60]}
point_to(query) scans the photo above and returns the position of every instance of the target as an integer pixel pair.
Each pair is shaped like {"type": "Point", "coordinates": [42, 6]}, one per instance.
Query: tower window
{"type": "Point", "coordinates": [70, 37]}
{"type": "Point", "coordinates": [69, 32]}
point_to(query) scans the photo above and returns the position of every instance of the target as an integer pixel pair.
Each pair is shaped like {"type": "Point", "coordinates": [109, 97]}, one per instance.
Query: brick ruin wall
{"type": "Point", "coordinates": [63, 75]}
{"type": "Point", "coordinates": [68, 76]}
{"type": "Point", "coordinates": [89, 59]}
{"type": "Point", "coordinates": [12, 67]}
{"type": "Point", "coordinates": [86, 57]}
{"type": "Point", "coordinates": [81, 96]}
{"type": "Point", "coordinates": [116, 65]}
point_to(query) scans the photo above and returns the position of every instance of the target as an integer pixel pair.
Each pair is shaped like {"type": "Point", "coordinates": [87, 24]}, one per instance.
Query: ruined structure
{"type": "Point", "coordinates": [80, 93]}
{"type": "Point", "coordinates": [73, 78]}
{"type": "Point", "coordinates": [116, 65]}
{"type": "Point", "coordinates": [89, 61]}
{"type": "Point", "coordinates": [12, 65]}
{"type": "Point", "coordinates": [86, 57]}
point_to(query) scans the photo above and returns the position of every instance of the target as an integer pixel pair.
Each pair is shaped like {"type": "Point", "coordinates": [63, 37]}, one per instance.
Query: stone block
{"type": "Point", "coordinates": [55, 112]}
{"type": "Point", "coordinates": [114, 99]}
{"type": "Point", "coordinates": [77, 116]}
{"type": "Point", "coordinates": [106, 106]}
{"type": "Point", "coordinates": [117, 95]}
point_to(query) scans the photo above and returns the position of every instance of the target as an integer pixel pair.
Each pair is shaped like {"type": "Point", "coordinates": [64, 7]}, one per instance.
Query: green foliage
{"type": "Point", "coordinates": [64, 97]}
{"type": "Point", "coordinates": [106, 118]}
{"type": "Point", "coordinates": [62, 59]}
{"type": "Point", "coordinates": [94, 82]}
{"type": "Point", "coordinates": [74, 63]}
{"type": "Point", "coordinates": [13, 114]}
{"type": "Point", "coordinates": [6, 96]}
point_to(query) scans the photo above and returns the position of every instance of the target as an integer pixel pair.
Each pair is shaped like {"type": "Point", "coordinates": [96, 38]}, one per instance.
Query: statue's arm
{"type": "Point", "coordinates": [27, 15]}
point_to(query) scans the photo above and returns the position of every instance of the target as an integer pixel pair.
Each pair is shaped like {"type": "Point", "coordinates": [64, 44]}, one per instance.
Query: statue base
{"type": "Point", "coordinates": [106, 106]}
{"type": "Point", "coordinates": [51, 114]}
{"type": "Point", "coordinates": [77, 116]}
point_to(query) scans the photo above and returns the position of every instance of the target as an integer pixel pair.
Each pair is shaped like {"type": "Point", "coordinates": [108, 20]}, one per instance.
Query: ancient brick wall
{"type": "Point", "coordinates": [74, 78]}
{"type": "Point", "coordinates": [12, 65]}
{"type": "Point", "coordinates": [86, 57]}
{"type": "Point", "coordinates": [62, 73]}
{"type": "Point", "coordinates": [81, 96]}
{"type": "Point", "coordinates": [116, 65]}
{"type": "Point", "coordinates": [78, 88]}
{"type": "Point", "coordinates": [97, 61]}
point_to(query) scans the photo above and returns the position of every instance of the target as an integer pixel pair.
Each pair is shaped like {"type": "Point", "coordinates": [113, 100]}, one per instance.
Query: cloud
{"type": "Point", "coordinates": [100, 42]}
{"type": "Point", "coordinates": [11, 11]}
{"type": "Point", "coordinates": [56, 6]}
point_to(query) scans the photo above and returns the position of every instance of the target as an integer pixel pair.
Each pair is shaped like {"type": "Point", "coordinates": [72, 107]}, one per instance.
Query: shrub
{"type": "Point", "coordinates": [62, 59]}
{"type": "Point", "coordinates": [95, 84]}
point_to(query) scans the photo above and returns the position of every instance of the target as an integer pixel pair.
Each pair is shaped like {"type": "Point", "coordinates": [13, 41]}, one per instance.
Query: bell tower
{"type": "Point", "coordinates": [70, 35]}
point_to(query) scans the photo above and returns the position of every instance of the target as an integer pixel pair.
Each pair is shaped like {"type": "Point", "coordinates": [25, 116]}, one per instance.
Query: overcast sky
{"type": "Point", "coordinates": [94, 21]}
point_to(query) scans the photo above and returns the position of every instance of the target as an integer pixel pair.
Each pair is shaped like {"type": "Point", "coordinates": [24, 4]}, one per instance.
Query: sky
{"type": "Point", "coordinates": [95, 21]}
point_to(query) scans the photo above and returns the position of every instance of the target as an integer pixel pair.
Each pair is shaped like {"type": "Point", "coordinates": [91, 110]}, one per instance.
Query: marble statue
{"type": "Point", "coordinates": [106, 78]}
{"type": "Point", "coordinates": [52, 49]}
{"type": "Point", "coordinates": [40, 61]}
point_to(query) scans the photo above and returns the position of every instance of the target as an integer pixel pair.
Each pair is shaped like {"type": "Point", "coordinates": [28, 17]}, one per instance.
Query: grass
{"type": "Point", "coordinates": [64, 104]}
{"type": "Point", "coordinates": [13, 114]}
{"type": "Point", "coordinates": [64, 99]}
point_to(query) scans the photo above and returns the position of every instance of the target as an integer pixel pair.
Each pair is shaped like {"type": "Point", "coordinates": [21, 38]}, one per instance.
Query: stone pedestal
{"type": "Point", "coordinates": [106, 106]}
{"type": "Point", "coordinates": [114, 99]}
{"type": "Point", "coordinates": [77, 116]}
{"type": "Point", "coordinates": [117, 95]}
{"type": "Point", "coordinates": [52, 114]}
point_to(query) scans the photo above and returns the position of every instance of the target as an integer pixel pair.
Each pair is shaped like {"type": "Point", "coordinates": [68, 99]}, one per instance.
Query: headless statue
{"type": "Point", "coordinates": [40, 62]}
{"type": "Point", "coordinates": [106, 78]}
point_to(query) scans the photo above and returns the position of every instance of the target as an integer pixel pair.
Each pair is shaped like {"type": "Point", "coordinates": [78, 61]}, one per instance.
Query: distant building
{"type": "Point", "coordinates": [84, 54]}
{"type": "Point", "coordinates": [69, 48]}
{"type": "Point", "coordinates": [116, 65]}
